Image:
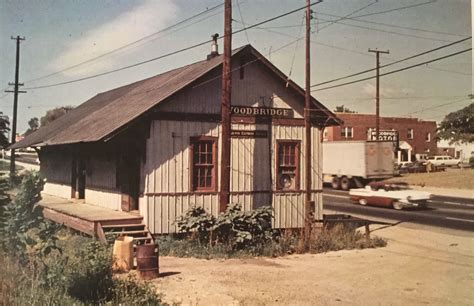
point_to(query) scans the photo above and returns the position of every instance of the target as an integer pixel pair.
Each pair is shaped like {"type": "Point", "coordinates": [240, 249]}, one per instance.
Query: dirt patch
{"type": "Point", "coordinates": [417, 267]}
{"type": "Point", "coordinates": [451, 178]}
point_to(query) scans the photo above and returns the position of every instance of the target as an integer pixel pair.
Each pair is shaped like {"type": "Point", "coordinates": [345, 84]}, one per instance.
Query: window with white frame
{"type": "Point", "coordinates": [410, 133]}
{"type": "Point", "coordinates": [347, 132]}
{"type": "Point", "coordinates": [428, 137]}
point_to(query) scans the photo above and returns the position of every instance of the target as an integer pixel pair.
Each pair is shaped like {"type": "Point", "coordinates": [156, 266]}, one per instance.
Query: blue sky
{"type": "Point", "coordinates": [60, 34]}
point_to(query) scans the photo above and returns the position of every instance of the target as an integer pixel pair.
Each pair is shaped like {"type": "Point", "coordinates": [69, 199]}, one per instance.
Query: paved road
{"type": "Point", "coordinates": [445, 212]}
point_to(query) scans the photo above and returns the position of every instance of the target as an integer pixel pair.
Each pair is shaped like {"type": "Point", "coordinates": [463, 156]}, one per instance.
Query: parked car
{"type": "Point", "coordinates": [443, 160]}
{"type": "Point", "coordinates": [391, 195]}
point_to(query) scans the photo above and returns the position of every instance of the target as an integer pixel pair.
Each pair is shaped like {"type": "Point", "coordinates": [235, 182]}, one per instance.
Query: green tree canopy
{"type": "Point", "coordinates": [342, 109]}
{"type": "Point", "coordinates": [34, 125]}
{"type": "Point", "coordinates": [4, 128]}
{"type": "Point", "coordinates": [54, 114]}
{"type": "Point", "coordinates": [458, 127]}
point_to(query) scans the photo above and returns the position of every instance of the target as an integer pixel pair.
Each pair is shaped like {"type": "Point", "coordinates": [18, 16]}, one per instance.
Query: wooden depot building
{"type": "Point", "coordinates": [153, 146]}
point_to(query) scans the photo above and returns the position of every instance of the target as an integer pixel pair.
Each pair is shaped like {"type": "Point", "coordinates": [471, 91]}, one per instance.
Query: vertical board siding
{"type": "Point", "coordinates": [257, 88]}
{"type": "Point", "coordinates": [59, 190]}
{"type": "Point", "coordinates": [56, 166]}
{"type": "Point", "coordinates": [167, 171]}
{"type": "Point", "coordinates": [253, 169]}
{"type": "Point", "coordinates": [104, 198]}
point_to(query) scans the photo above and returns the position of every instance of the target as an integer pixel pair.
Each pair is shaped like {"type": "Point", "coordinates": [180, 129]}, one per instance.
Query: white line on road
{"type": "Point", "coordinates": [335, 196]}
{"type": "Point", "coordinates": [459, 219]}
{"type": "Point", "coordinates": [451, 203]}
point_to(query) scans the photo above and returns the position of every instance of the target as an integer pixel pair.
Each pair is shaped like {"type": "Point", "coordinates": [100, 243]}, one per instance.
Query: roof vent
{"type": "Point", "coordinates": [214, 47]}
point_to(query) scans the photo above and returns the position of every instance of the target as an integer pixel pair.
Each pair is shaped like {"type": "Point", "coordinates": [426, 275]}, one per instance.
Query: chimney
{"type": "Point", "coordinates": [214, 47]}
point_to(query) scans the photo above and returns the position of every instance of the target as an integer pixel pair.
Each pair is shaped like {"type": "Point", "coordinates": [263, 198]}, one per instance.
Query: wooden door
{"type": "Point", "coordinates": [129, 177]}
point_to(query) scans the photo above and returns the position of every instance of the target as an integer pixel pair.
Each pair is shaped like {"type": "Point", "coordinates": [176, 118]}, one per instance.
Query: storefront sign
{"type": "Point", "coordinates": [248, 134]}
{"type": "Point", "coordinates": [261, 111]}
{"type": "Point", "coordinates": [386, 135]}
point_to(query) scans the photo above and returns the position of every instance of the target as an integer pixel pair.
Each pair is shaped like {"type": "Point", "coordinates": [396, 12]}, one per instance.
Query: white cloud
{"type": "Point", "coordinates": [143, 20]}
{"type": "Point", "coordinates": [370, 89]}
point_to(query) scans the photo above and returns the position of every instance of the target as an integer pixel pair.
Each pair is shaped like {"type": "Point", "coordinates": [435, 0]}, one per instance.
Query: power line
{"type": "Point", "coordinates": [437, 106]}
{"type": "Point", "coordinates": [127, 45]}
{"type": "Point", "coordinates": [388, 32]}
{"type": "Point", "coordinates": [171, 53]}
{"type": "Point", "coordinates": [407, 98]}
{"type": "Point", "coordinates": [243, 22]}
{"type": "Point", "coordinates": [393, 63]}
{"type": "Point", "coordinates": [398, 70]}
{"type": "Point", "coordinates": [357, 52]}
{"type": "Point", "coordinates": [389, 25]}
{"type": "Point", "coordinates": [352, 13]}
{"type": "Point", "coordinates": [395, 9]}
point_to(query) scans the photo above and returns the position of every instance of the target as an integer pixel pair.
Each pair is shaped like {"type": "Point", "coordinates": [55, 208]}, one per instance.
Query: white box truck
{"type": "Point", "coordinates": [349, 164]}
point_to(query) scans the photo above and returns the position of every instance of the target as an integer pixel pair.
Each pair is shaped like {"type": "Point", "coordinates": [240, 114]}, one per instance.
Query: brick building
{"type": "Point", "coordinates": [417, 137]}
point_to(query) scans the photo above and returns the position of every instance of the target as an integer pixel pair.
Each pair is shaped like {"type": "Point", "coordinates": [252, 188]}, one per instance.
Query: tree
{"type": "Point", "coordinates": [342, 109]}
{"type": "Point", "coordinates": [458, 127]}
{"type": "Point", "coordinates": [54, 114]}
{"type": "Point", "coordinates": [4, 128]}
{"type": "Point", "coordinates": [34, 125]}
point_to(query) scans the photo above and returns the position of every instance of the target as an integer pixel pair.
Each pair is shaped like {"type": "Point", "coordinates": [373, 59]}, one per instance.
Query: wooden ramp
{"type": "Point", "coordinates": [99, 222]}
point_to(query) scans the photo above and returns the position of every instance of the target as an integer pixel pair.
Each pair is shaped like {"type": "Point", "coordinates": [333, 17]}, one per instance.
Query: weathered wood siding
{"type": "Point", "coordinates": [256, 88]}
{"type": "Point", "coordinates": [168, 192]}
{"type": "Point", "coordinates": [101, 185]}
{"type": "Point", "coordinates": [57, 189]}
{"type": "Point", "coordinates": [167, 173]}
{"type": "Point", "coordinates": [56, 167]}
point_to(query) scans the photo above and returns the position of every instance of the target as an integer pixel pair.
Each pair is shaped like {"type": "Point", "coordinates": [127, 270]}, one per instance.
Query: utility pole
{"type": "Point", "coordinates": [225, 108]}
{"type": "Point", "coordinates": [15, 102]}
{"type": "Point", "coordinates": [307, 125]}
{"type": "Point", "coordinates": [377, 92]}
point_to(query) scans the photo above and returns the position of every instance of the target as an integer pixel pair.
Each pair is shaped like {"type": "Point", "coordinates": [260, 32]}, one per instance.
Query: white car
{"type": "Point", "coordinates": [391, 195]}
{"type": "Point", "coordinates": [443, 160]}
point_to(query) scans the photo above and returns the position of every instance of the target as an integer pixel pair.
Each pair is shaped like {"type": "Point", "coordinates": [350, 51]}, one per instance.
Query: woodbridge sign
{"type": "Point", "coordinates": [261, 111]}
{"type": "Point", "coordinates": [385, 135]}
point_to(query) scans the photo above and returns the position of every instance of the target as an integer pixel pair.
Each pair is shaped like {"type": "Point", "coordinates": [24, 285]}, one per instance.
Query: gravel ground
{"type": "Point", "coordinates": [417, 267]}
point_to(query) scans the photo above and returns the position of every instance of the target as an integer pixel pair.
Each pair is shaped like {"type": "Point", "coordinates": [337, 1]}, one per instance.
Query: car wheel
{"type": "Point", "coordinates": [397, 205]}
{"type": "Point", "coordinates": [335, 183]}
{"type": "Point", "coordinates": [363, 201]}
{"type": "Point", "coordinates": [345, 183]}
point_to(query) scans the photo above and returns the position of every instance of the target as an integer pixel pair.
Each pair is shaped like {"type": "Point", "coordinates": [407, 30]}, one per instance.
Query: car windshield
{"type": "Point", "coordinates": [390, 187]}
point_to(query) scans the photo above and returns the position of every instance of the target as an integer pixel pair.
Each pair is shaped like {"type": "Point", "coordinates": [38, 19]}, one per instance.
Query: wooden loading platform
{"type": "Point", "coordinates": [99, 222]}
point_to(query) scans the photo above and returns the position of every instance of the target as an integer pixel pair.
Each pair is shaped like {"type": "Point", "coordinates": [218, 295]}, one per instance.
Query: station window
{"type": "Point", "coordinates": [204, 163]}
{"type": "Point", "coordinates": [288, 165]}
{"type": "Point", "coordinates": [347, 132]}
{"type": "Point", "coordinates": [410, 133]}
{"type": "Point", "coordinates": [428, 137]}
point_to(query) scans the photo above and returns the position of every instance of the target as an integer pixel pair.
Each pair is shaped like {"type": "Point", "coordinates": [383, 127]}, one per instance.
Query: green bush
{"type": "Point", "coordinates": [41, 265]}
{"type": "Point", "coordinates": [20, 216]}
{"type": "Point", "coordinates": [342, 238]}
{"type": "Point", "coordinates": [234, 229]}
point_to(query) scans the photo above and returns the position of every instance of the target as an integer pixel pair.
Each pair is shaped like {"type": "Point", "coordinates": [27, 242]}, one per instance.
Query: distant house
{"type": "Point", "coordinates": [417, 137]}
{"type": "Point", "coordinates": [154, 146]}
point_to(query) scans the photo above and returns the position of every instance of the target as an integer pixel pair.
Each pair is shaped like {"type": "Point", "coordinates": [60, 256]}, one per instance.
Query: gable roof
{"type": "Point", "coordinates": [109, 111]}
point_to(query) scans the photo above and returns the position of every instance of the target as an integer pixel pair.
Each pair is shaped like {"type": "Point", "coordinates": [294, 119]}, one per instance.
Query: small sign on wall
{"type": "Point", "coordinates": [248, 134]}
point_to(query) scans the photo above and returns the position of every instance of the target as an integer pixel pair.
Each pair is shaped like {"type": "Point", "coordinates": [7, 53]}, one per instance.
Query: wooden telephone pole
{"type": "Point", "coordinates": [224, 196]}
{"type": "Point", "coordinates": [15, 91]}
{"type": "Point", "coordinates": [377, 93]}
{"type": "Point", "coordinates": [307, 125]}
